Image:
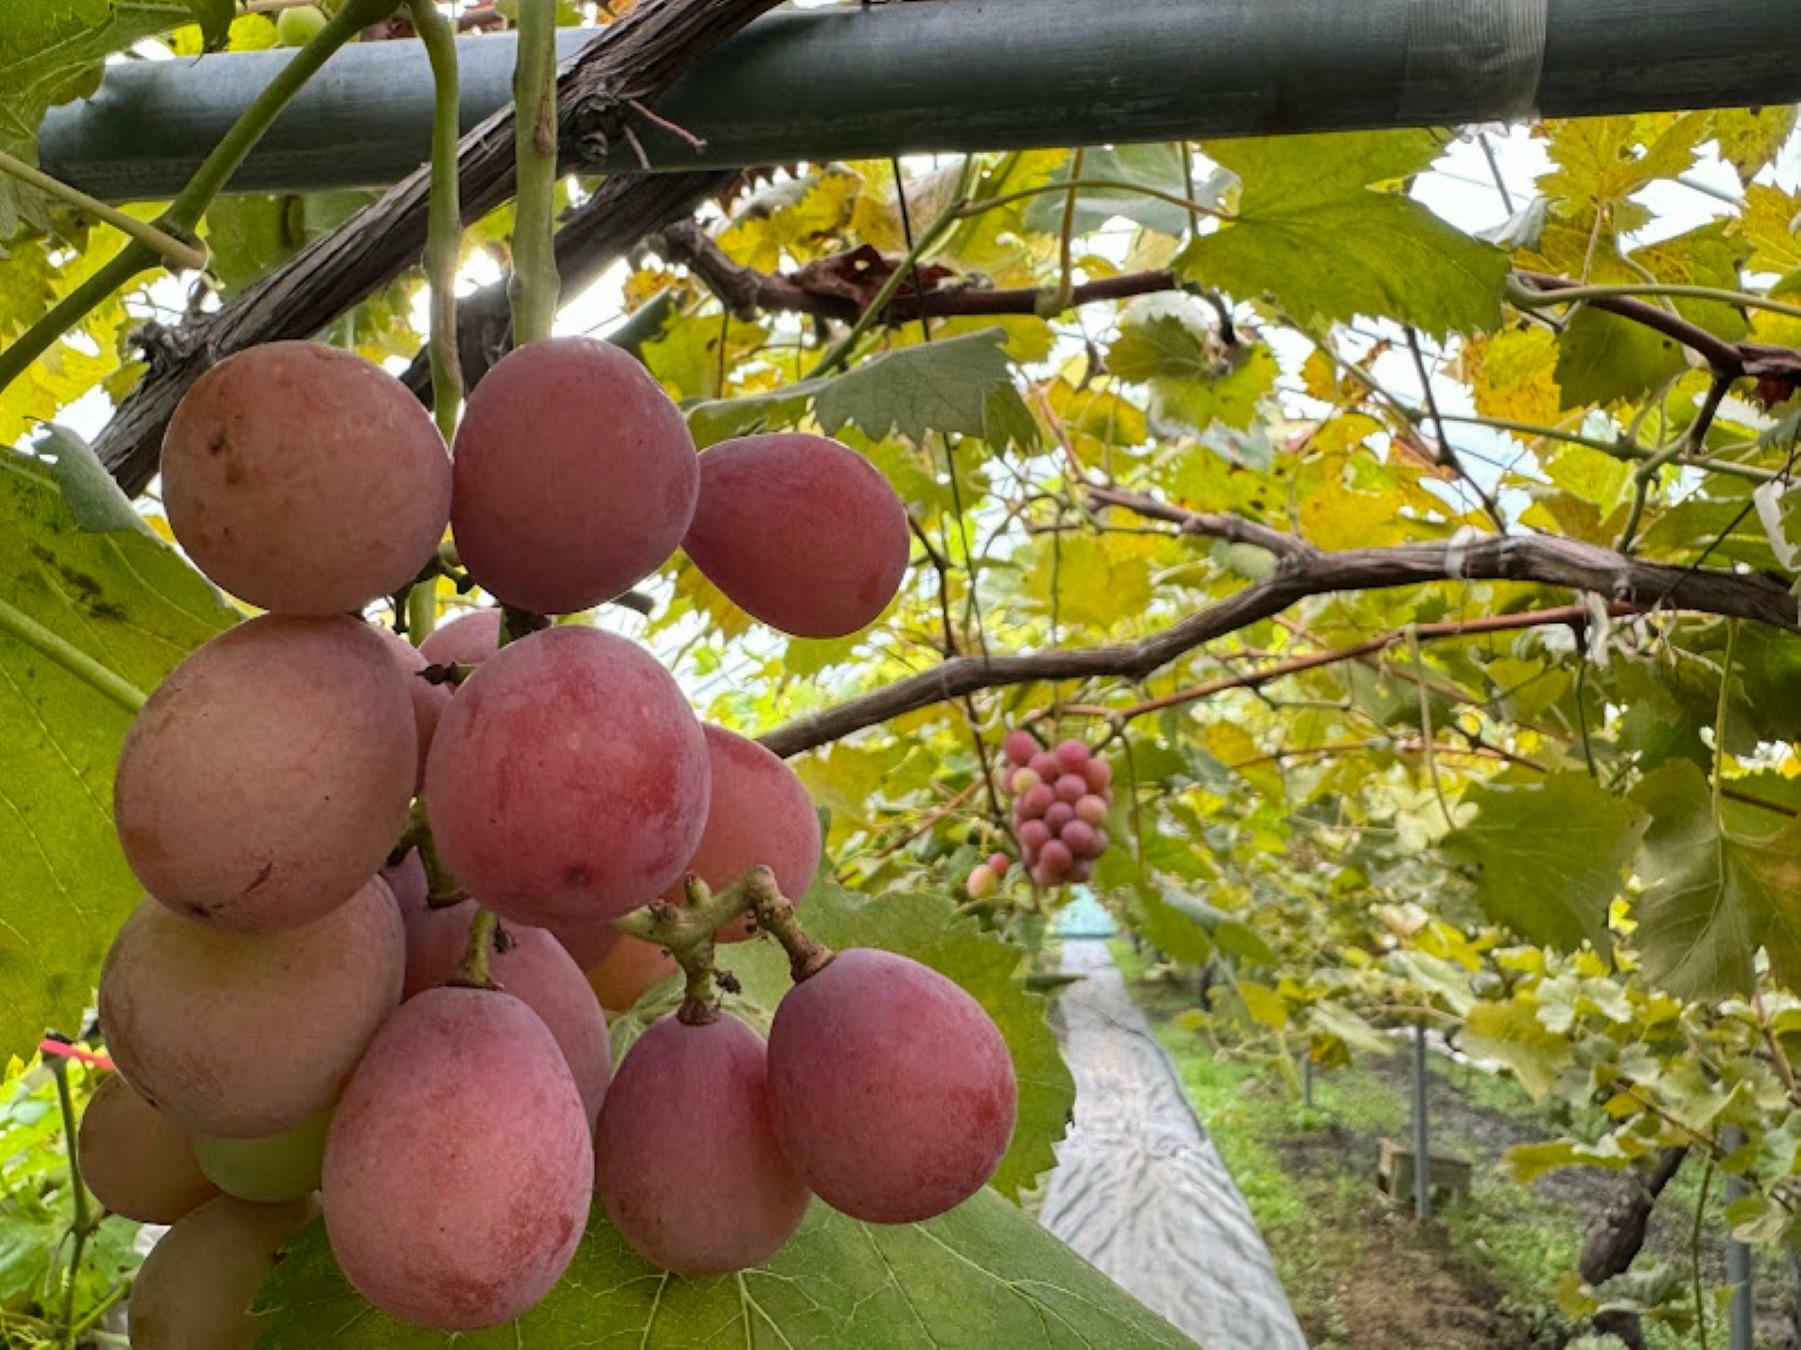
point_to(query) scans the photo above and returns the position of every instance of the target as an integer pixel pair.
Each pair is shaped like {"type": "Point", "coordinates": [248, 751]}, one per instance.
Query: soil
{"type": "Point", "coordinates": [1411, 1286]}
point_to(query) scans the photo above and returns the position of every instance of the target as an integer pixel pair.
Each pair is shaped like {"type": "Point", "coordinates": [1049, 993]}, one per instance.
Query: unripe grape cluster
{"type": "Point", "coordinates": [1061, 797]}
{"type": "Point", "coordinates": [308, 1019]}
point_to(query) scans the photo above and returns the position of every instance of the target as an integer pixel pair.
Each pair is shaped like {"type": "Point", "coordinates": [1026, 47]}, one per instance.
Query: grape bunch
{"type": "Point", "coordinates": [367, 979]}
{"type": "Point", "coordinates": [1061, 797]}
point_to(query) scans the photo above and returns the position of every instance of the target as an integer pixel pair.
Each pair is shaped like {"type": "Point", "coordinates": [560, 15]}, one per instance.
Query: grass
{"type": "Point", "coordinates": [1308, 1176]}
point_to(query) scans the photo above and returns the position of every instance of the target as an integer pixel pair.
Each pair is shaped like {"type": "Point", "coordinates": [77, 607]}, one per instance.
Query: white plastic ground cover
{"type": "Point", "coordinates": [1140, 1190]}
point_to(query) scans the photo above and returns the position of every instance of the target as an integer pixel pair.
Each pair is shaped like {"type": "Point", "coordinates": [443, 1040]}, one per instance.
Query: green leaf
{"type": "Point", "coordinates": [1511, 1034]}
{"type": "Point", "coordinates": [945, 387]}
{"type": "Point", "coordinates": [214, 18]}
{"type": "Point", "coordinates": [1156, 166]}
{"type": "Point", "coordinates": [1312, 232]}
{"type": "Point", "coordinates": [1709, 893]}
{"type": "Point", "coordinates": [51, 52]}
{"type": "Point", "coordinates": [1195, 380]}
{"type": "Point", "coordinates": [1548, 856]}
{"type": "Point", "coordinates": [127, 603]}
{"type": "Point", "coordinates": [983, 1275]}
{"type": "Point", "coordinates": [962, 386]}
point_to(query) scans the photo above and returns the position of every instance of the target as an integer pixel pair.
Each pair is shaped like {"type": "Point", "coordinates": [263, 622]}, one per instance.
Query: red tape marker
{"type": "Point", "coordinates": [67, 1051]}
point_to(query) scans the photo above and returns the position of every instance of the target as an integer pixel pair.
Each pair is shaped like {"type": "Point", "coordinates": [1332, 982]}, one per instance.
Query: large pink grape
{"type": "Point", "coordinates": [891, 1091]}
{"type": "Point", "coordinates": [459, 1166]}
{"type": "Point", "coordinates": [536, 970]}
{"type": "Point", "coordinates": [194, 1290]}
{"type": "Point", "coordinates": [467, 640]}
{"type": "Point", "coordinates": [686, 1163]}
{"type": "Point", "coordinates": [428, 698]}
{"type": "Point", "coordinates": [802, 532]}
{"type": "Point", "coordinates": [138, 1161]}
{"type": "Point", "coordinates": [268, 777]}
{"type": "Point", "coordinates": [248, 1034]}
{"type": "Point", "coordinates": [568, 779]}
{"type": "Point", "coordinates": [305, 479]}
{"type": "Point", "coordinates": [759, 813]}
{"type": "Point", "coordinates": [575, 476]}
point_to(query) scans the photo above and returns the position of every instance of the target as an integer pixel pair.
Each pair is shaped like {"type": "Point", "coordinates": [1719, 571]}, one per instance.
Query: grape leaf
{"type": "Point", "coordinates": [214, 18]}
{"type": "Point", "coordinates": [1751, 138]}
{"type": "Point", "coordinates": [1156, 166]}
{"type": "Point", "coordinates": [1711, 893]}
{"type": "Point", "coordinates": [1312, 232]}
{"type": "Point", "coordinates": [1548, 856]}
{"type": "Point", "coordinates": [984, 1275]}
{"type": "Point", "coordinates": [928, 929]}
{"type": "Point", "coordinates": [1195, 380]}
{"type": "Point", "coordinates": [950, 387]}
{"type": "Point", "coordinates": [123, 599]}
{"type": "Point", "coordinates": [1511, 1034]}
{"type": "Point", "coordinates": [961, 386]}
{"type": "Point", "coordinates": [51, 52]}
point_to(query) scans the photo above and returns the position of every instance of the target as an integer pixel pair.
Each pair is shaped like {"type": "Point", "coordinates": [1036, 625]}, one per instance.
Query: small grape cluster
{"type": "Point", "coordinates": [316, 998]}
{"type": "Point", "coordinates": [1061, 797]}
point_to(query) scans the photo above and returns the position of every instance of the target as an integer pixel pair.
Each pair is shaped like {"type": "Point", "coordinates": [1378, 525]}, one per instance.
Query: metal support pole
{"type": "Point", "coordinates": [1422, 1146]}
{"type": "Point", "coordinates": [869, 81]}
{"type": "Point", "coordinates": [1738, 1260]}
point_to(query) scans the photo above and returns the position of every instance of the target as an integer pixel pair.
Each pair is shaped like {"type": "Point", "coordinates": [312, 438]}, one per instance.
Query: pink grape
{"type": "Point", "coordinates": [890, 1090]}
{"type": "Point", "coordinates": [248, 1034]}
{"type": "Point", "coordinates": [799, 531]}
{"type": "Point", "coordinates": [1081, 839]}
{"type": "Point", "coordinates": [1045, 765]}
{"type": "Point", "coordinates": [687, 1163]}
{"type": "Point", "coordinates": [1082, 869]}
{"type": "Point", "coordinates": [459, 1165]}
{"type": "Point", "coordinates": [1019, 746]}
{"type": "Point", "coordinates": [1072, 755]}
{"type": "Point", "coordinates": [1056, 859]}
{"type": "Point", "coordinates": [982, 882]}
{"type": "Point", "coordinates": [428, 698]}
{"type": "Point", "coordinates": [568, 780]}
{"type": "Point", "coordinates": [575, 476]}
{"type": "Point", "coordinates": [1098, 774]}
{"type": "Point", "coordinates": [1034, 835]}
{"type": "Point", "coordinates": [268, 776]}
{"type": "Point", "coordinates": [1024, 780]}
{"type": "Point", "coordinates": [136, 1160]}
{"type": "Point", "coordinates": [588, 943]}
{"type": "Point", "coordinates": [1071, 787]}
{"type": "Point", "coordinates": [628, 972]}
{"type": "Point", "coordinates": [305, 479]}
{"type": "Point", "coordinates": [758, 813]}
{"type": "Point", "coordinates": [535, 969]}
{"type": "Point", "coordinates": [1036, 802]}
{"type": "Point", "coordinates": [999, 863]}
{"type": "Point", "coordinates": [407, 883]}
{"type": "Point", "coordinates": [1091, 809]}
{"type": "Point", "coordinates": [1057, 815]}
{"type": "Point", "coordinates": [1100, 841]}
{"type": "Point", "coordinates": [467, 640]}
{"type": "Point", "coordinates": [195, 1288]}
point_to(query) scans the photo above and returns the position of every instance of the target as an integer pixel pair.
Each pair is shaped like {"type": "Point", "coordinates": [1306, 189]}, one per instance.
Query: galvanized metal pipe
{"type": "Point", "coordinates": [951, 75]}
{"type": "Point", "coordinates": [1422, 1136]}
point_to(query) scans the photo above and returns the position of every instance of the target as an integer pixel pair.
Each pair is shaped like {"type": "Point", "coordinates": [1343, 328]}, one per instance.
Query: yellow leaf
{"type": "Point", "coordinates": [1265, 1006]}
{"type": "Point", "coordinates": [1098, 580]}
{"type": "Point", "coordinates": [1512, 375]}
